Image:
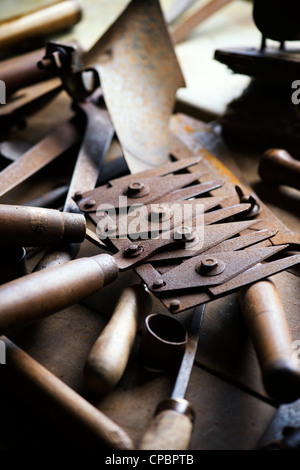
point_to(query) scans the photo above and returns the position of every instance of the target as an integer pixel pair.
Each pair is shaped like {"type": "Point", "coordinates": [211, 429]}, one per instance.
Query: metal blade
{"type": "Point", "coordinates": [225, 213]}
{"type": "Point", "coordinates": [162, 170]}
{"type": "Point", "coordinates": [96, 141]}
{"type": "Point", "coordinates": [260, 237]}
{"type": "Point", "coordinates": [36, 158]}
{"type": "Point", "coordinates": [243, 241]}
{"type": "Point", "coordinates": [187, 362]}
{"type": "Point", "coordinates": [138, 191]}
{"type": "Point", "coordinates": [136, 57]}
{"type": "Point", "coordinates": [206, 238]}
{"type": "Point", "coordinates": [177, 303]}
{"type": "Point", "coordinates": [162, 217]}
{"type": "Point", "coordinates": [213, 270]}
{"type": "Point", "coordinates": [255, 274]}
{"type": "Point", "coordinates": [193, 191]}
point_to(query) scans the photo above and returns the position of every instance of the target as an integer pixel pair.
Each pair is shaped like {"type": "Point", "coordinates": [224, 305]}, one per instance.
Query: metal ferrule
{"type": "Point", "coordinates": [180, 405]}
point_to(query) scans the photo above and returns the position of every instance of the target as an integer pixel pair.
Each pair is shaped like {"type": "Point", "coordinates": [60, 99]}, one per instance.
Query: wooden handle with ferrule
{"type": "Point", "coordinates": [169, 430]}
{"type": "Point", "coordinates": [109, 355]}
{"type": "Point", "coordinates": [268, 328]}
{"type": "Point", "coordinates": [278, 167]}
{"type": "Point", "coordinates": [39, 294]}
{"type": "Point", "coordinates": [34, 226]}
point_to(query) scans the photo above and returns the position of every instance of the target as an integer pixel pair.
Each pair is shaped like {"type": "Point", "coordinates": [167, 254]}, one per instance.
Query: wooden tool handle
{"type": "Point", "coordinates": [33, 226]}
{"type": "Point", "coordinates": [109, 356]}
{"type": "Point", "coordinates": [45, 292]}
{"type": "Point", "coordinates": [63, 407]}
{"type": "Point", "coordinates": [278, 167]}
{"type": "Point", "coordinates": [169, 430]}
{"type": "Point", "coordinates": [184, 29]}
{"type": "Point", "coordinates": [40, 23]}
{"type": "Point", "coordinates": [269, 331]}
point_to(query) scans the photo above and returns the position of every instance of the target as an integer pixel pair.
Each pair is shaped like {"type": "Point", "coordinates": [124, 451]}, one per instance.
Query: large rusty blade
{"type": "Point", "coordinates": [139, 76]}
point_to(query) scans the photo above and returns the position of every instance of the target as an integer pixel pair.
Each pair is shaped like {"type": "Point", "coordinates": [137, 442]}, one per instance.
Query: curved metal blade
{"type": "Point", "coordinates": [139, 75]}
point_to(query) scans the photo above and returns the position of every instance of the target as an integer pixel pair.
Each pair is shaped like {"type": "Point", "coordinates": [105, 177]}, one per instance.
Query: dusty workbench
{"type": "Point", "coordinates": [231, 405]}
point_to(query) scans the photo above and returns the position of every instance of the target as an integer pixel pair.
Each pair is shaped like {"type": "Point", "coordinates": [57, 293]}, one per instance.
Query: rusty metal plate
{"type": "Point", "coordinates": [139, 75]}
{"type": "Point", "coordinates": [213, 269]}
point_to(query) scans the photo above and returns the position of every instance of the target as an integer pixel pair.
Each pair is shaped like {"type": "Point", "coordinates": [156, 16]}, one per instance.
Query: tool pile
{"type": "Point", "coordinates": [188, 245]}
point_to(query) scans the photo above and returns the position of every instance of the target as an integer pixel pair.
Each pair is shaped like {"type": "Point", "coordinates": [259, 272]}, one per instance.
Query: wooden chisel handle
{"type": "Point", "coordinates": [33, 226]}
{"type": "Point", "coordinates": [39, 294]}
{"type": "Point", "coordinates": [170, 429]}
{"type": "Point", "coordinates": [268, 328]}
{"type": "Point", "coordinates": [109, 355]}
{"type": "Point", "coordinates": [62, 405]}
{"type": "Point", "coordinates": [278, 167]}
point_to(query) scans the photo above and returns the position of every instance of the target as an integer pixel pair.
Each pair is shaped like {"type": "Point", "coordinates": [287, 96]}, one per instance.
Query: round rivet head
{"type": "Point", "coordinates": [210, 267]}
{"type": "Point", "coordinates": [77, 196]}
{"type": "Point", "coordinates": [209, 264]}
{"type": "Point", "coordinates": [158, 212]}
{"type": "Point", "coordinates": [174, 304]}
{"type": "Point", "coordinates": [135, 187]}
{"type": "Point", "coordinates": [184, 233]}
{"type": "Point", "coordinates": [158, 283]}
{"type": "Point", "coordinates": [133, 250]}
{"type": "Point", "coordinates": [90, 203]}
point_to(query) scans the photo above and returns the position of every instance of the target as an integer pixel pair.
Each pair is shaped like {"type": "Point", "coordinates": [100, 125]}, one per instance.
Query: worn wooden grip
{"type": "Point", "coordinates": [109, 355]}
{"type": "Point", "coordinates": [270, 334]}
{"type": "Point", "coordinates": [169, 430]}
{"type": "Point", "coordinates": [33, 226]}
{"type": "Point", "coordinates": [278, 167]}
{"type": "Point", "coordinates": [65, 409]}
{"type": "Point", "coordinates": [37, 295]}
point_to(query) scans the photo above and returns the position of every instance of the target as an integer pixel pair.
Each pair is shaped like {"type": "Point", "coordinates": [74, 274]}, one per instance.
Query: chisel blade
{"type": "Point", "coordinates": [187, 362]}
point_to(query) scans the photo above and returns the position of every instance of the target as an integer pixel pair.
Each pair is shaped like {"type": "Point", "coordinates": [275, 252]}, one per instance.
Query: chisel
{"type": "Point", "coordinates": [172, 425]}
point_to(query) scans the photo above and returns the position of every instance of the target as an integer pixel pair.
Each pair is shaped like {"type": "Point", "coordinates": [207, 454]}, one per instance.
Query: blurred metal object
{"type": "Point", "coordinates": [12, 263]}
{"type": "Point", "coordinates": [283, 430]}
{"type": "Point", "coordinates": [41, 22]}
{"type": "Point", "coordinates": [277, 20]}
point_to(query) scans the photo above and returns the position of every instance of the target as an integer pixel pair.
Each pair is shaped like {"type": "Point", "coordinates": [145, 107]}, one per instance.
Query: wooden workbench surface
{"type": "Point", "coordinates": [226, 391]}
